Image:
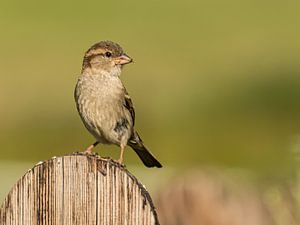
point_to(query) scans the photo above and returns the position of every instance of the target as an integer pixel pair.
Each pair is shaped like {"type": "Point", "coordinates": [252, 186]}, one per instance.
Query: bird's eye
{"type": "Point", "coordinates": [108, 54]}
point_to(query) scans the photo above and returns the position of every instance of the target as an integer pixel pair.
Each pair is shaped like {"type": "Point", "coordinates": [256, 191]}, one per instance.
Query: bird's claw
{"type": "Point", "coordinates": [120, 162]}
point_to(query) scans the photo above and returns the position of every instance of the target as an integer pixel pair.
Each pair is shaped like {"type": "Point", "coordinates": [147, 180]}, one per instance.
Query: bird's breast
{"type": "Point", "coordinates": [99, 96]}
{"type": "Point", "coordinates": [100, 105]}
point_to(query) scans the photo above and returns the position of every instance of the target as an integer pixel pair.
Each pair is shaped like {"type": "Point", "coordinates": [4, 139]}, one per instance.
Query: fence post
{"type": "Point", "coordinates": [78, 190]}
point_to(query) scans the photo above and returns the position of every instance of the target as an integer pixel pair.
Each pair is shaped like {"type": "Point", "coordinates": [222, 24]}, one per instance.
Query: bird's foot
{"type": "Point", "coordinates": [121, 158]}
{"type": "Point", "coordinates": [84, 153]}
{"type": "Point", "coordinates": [89, 150]}
{"type": "Point", "coordinates": [120, 162]}
{"type": "Point", "coordinates": [91, 154]}
{"type": "Point", "coordinates": [105, 158]}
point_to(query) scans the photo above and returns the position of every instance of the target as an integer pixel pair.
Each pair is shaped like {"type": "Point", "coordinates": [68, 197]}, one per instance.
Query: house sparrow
{"type": "Point", "coordinates": [104, 104]}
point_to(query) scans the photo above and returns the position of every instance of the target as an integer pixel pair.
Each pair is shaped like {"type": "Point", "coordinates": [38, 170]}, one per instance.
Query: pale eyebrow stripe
{"type": "Point", "coordinates": [97, 52]}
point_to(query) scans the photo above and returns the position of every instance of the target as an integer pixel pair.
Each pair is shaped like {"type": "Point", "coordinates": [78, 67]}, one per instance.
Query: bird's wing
{"type": "Point", "coordinates": [128, 105]}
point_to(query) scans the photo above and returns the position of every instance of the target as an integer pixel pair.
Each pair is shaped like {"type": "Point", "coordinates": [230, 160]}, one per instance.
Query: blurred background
{"type": "Point", "coordinates": [215, 85]}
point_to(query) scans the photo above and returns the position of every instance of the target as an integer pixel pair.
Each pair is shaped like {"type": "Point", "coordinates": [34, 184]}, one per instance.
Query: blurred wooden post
{"type": "Point", "coordinates": [78, 190]}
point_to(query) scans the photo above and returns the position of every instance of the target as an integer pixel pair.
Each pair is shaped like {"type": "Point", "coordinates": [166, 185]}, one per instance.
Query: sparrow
{"type": "Point", "coordinates": [103, 103]}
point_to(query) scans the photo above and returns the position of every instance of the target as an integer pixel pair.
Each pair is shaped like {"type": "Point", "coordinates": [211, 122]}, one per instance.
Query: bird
{"type": "Point", "coordinates": [104, 104]}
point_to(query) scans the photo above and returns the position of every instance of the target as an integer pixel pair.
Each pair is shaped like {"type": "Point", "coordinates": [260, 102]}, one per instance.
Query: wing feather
{"type": "Point", "coordinates": [129, 105]}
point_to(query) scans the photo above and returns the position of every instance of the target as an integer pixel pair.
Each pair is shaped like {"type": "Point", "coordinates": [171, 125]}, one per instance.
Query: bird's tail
{"type": "Point", "coordinates": [145, 155]}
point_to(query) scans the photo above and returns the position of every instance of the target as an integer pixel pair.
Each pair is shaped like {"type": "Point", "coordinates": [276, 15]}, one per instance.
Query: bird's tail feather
{"type": "Point", "coordinates": [145, 155]}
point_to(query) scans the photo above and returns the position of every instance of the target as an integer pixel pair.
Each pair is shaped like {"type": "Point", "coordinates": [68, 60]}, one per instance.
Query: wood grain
{"type": "Point", "coordinates": [78, 190]}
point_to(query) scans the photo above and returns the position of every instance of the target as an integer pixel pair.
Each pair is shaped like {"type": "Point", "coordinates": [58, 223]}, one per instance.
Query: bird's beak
{"type": "Point", "coordinates": [123, 59]}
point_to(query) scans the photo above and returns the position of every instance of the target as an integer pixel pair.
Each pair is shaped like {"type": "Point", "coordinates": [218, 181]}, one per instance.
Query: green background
{"type": "Point", "coordinates": [214, 83]}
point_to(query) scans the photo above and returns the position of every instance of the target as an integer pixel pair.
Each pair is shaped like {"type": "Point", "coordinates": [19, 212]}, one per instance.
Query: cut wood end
{"type": "Point", "coordinates": [78, 189]}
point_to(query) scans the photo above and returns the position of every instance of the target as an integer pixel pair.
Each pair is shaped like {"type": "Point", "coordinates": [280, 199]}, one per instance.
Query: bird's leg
{"type": "Point", "coordinates": [89, 150]}
{"type": "Point", "coordinates": [120, 160]}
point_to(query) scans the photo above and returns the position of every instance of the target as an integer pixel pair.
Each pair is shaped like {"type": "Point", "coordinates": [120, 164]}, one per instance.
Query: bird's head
{"type": "Point", "coordinates": [105, 56]}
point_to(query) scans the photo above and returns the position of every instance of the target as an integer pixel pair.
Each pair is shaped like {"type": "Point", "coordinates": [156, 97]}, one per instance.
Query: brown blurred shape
{"type": "Point", "coordinates": [209, 198]}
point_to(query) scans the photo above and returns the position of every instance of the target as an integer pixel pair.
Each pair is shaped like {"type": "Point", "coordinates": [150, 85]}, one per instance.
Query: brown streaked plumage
{"type": "Point", "coordinates": [104, 104]}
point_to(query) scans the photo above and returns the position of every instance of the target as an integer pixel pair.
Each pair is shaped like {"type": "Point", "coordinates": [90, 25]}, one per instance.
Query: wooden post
{"type": "Point", "coordinates": [78, 190]}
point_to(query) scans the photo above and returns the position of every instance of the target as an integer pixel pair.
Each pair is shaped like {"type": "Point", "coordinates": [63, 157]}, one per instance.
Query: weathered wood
{"type": "Point", "coordinates": [78, 190]}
